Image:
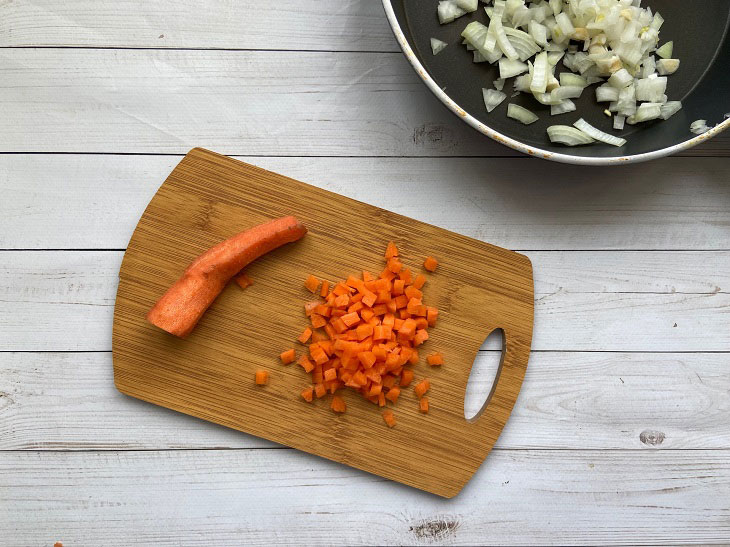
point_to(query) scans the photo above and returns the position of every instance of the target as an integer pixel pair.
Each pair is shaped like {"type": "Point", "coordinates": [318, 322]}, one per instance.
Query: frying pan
{"type": "Point", "coordinates": [699, 30]}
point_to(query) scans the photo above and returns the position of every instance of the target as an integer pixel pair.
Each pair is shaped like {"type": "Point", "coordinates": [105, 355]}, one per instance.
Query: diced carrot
{"type": "Point", "coordinates": [306, 364]}
{"type": "Point", "coordinates": [287, 356]}
{"type": "Point", "coordinates": [261, 377]}
{"type": "Point", "coordinates": [421, 323]}
{"type": "Point", "coordinates": [325, 290]}
{"type": "Point", "coordinates": [312, 283]}
{"type": "Point", "coordinates": [355, 298]}
{"type": "Point", "coordinates": [380, 309]}
{"type": "Point", "coordinates": [423, 405]}
{"type": "Point", "coordinates": [389, 418]}
{"type": "Point", "coordinates": [317, 321]}
{"type": "Point", "coordinates": [320, 390]}
{"type": "Point", "coordinates": [391, 250]}
{"type": "Point", "coordinates": [309, 308]}
{"type": "Point", "coordinates": [367, 358]}
{"type": "Point", "coordinates": [420, 281]}
{"type": "Point", "coordinates": [342, 301]}
{"type": "Point", "coordinates": [243, 280]}
{"type": "Point", "coordinates": [398, 287]}
{"type": "Point", "coordinates": [308, 394]}
{"type": "Point", "coordinates": [403, 314]}
{"type": "Point", "coordinates": [369, 298]}
{"type": "Point", "coordinates": [319, 356]}
{"type": "Point", "coordinates": [435, 359]}
{"type": "Point", "coordinates": [357, 306]}
{"type": "Point", "coordinates": [389, 380]}
{"type": "Point", "coordinates": [422, 387]}
{"type": "Point", "coordinates": [393, 394]}
{"type": "Point", "coordinates": [388, 320]}
{"type": "Point", "coordinates": [351, 319]}
{"type": "Point", "coordinates": [391, 306]}
{"type": "Point", "coordinates": [355, 283]}
{"type": "Point", "coordinates": [413, 293]}
{"type": "Point", "coordinates": [401, 301]}
{"type": "Point", "coordinates": [430, 264]}
{"type": "Point", "coordinates": [338, 404]}
{"type": "Point", "coordinates": [414, 304]}
{"type": "Point", "coordinates": [340, 289]}
{"type": "Point", "coordinates": [363, 331]}
{"type": "Point", "coordinates": [406, 276]}
{"type": "Point", "coordinates": [420, 337]}
{"type": "Point", "coordinates": [407, 329]}
{"type": "Point", "coordinates": [383, 297]}
{"type": "Point", "coordinates": [323, 310]}
{"type": "Point", "coordinates": [330, 330]}
{"type": "Point", "coordinates": [330, 374]}
{"type": "Point", "coordinates": [406, 377]}
{"type": "Point", "coordinates": [306, 333]}
{"type": "Point", "coordinates": [367, 276]}
{"type": "Point", "coordinates": [395, 265]}
{"type": "Point", "coordinates": [432, 314]}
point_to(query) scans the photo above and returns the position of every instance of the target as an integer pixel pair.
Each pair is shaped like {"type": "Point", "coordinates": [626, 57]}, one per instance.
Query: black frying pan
{"type": "Point", "coordinates": [699, 29]}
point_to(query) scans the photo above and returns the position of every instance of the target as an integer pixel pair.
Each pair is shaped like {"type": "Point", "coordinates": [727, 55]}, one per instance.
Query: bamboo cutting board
{"type": "Point", "coordinates": [477, 287]}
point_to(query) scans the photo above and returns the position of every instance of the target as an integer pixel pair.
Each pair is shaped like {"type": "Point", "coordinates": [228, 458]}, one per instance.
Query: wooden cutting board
{"type": "Point", "coordinates": [477, 287]}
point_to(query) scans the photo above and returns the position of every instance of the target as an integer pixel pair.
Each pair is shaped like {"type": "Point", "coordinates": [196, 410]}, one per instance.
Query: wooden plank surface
{"type": "Point", "coordinates": [330, 25]}
{"type": "Point", "coordinates": [615, 301]}
{"type": "Point", "coordinates": [243, 497]}
{"type": "Point", "coordinates": [569, 401]}
{"type": "Point", "coordinates": [313, 104]}
{"type": "Point", "coordinates": [87, 201]}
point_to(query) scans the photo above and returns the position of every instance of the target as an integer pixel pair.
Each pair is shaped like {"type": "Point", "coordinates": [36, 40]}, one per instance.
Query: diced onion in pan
{"type": "Point", "coordinates": [492, 98]}
{"type": "Point", "coordinates": [597, 134]}
{"type": "Point", "coordinates": [570, 136]}
{"type": "Point", "coordinates": [521, 114]}
{"type": "Point", "coordinates": [437, 46]}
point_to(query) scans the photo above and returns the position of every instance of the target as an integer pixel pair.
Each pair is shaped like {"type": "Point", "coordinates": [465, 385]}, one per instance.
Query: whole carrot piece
{"type": "Point", "coordinates": [182, 306]}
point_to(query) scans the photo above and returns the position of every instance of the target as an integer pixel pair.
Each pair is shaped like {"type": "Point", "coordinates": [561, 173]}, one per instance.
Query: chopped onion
{"type": "Point", "coordinates": [665, 52]}
{"type": "Point", "coordinates": [498, 84]}
{"type": "Point", "coordinates": [437, 46]}
{"type": "Point", "coordinates": [606, 94]}
{"type": "Point", "coordinates": [618, 122]}
{"type": "Point", "coordinates": [521, 114]}
{"type": "Point", "coordinates": [698, 127]}
{"type": "Point", "coordinates": [492, 98]}
{"type": "Point", "coordinates": [570, 79]}
{"type": "Point", "coordinates": [667, 66]}
{"type": "Point", "coordinates": [566, 92]}
{"type": "Point", "coordinates": [597, 134]}
{"type": "Point", "coordinates": [669, 109]}
{"type": "Point", "coordinates": [620, 79]}
{"type": "Point", "coordinates": [570, 136]}
{"type": "Point", "coordinates": [509, 68]}
{"type": "Point", "coordinates": [563, 108]}
{"type": "Point", "coordinates": [646, 112]}
{"type": "Point", "coordinates": [448, 11]}
{"type": "Point", "coordinates": [540, 73]}
{"type": "Point", "coordinates": [651, 89]}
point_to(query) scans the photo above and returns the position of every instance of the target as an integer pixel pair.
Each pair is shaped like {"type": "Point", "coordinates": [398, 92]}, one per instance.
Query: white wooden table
{"type": "Point", "coordinates": [621, 434]}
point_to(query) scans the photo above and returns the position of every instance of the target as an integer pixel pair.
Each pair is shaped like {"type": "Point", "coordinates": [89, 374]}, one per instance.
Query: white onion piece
{"type": "Point", "coordinates": [509, 68]}
{"type": "Point", "coordinates": [620, 79]}
{"type": "Point", "coordinates": [540, 73]}
{"type": "Point", "coordinates": [448, 11]}
{"type": "Point", "coordinates": [698, 127]}
{"type": "Point", "coordinates": [570, 136]}
{"type": "Point", "coordinates": [646, 112]}
{"type": "Point", "coordinates": [566, 92]}
{"type": "Point", "coordinates": [538, 32]}
{"type": "Point", "coordinates": [669, 109]}
{"type": "Point", "coordinates": [665, 52]}
{"type": "Point", "coordinates": [498, 84]}
{"type": "Point", "coordinates": [597, 134]}
{"type": "Point", "coordinates": [651, 89]}
{"type": "Point", "coordinates": [570, 79]}
{"type": "Point", "coordinates": [437, 46]}
{"type": "Point", "coordinates": [667, 66]}
{"type": "Point", "coordinates": [618, 122]}
{"type": "Point", "coordinates": [492, 98]}
{"type": "Point", "coordinates": [563, 108]}
{"type": "Point", "coordinates": [521, 114]}
{"type": "Point", "coordinates": [606, 94]}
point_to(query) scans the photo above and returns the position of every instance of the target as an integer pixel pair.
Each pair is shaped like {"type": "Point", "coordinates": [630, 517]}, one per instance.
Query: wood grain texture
{"type": "Point", "coordinates": [331, 25]}
{"type": "Point", "coordinates": [628, 301]}
{"type": "Point", "coordinates": [236, 102]}
{"type": "Point", "coordinates": [568, 401]}
{"type": "Point", "coordinates": [81, 201]}
{"type": "Point", "coordinates": [208, 198]}
{"type": "Point", "coordinates": [264, 497]}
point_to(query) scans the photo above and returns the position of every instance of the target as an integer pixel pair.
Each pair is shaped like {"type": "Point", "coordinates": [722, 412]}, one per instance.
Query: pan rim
{"type": "Point", "coordinates": [519, 146]}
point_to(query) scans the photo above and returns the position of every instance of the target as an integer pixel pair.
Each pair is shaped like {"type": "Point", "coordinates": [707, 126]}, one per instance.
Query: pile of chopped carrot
{"type": "Point", "coordinates": [365, 334]}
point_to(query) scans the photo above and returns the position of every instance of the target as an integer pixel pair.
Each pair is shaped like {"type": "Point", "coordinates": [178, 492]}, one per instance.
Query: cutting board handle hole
{"type": "Point", "coordinates": [483, 376]}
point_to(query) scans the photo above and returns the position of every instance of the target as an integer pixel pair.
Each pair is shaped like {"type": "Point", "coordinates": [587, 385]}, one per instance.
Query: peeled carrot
{"type": "Point", "coordinates": [287, 356]}
{"type": "Point", "coordinates": [430, 264]}
{"type": "Point", "coordinates": [185, 302]}
{"type": "Point", "coordinates": [308, 394]}
{"type": "Point", "coordinates": [435, 359]}
{"type": "Point", "coordinates": [261, 377]}
{"type": "Point", "coordinates": [423, 405]}
{"type": "Point", "coordinates": [372, 328]}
